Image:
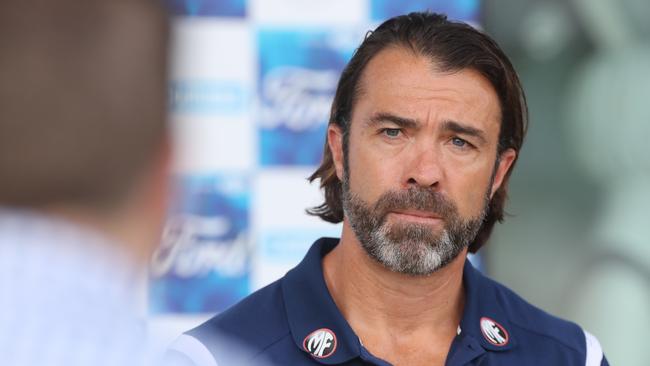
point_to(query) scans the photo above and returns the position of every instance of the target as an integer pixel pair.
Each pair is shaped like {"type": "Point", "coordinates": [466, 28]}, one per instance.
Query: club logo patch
{"type": "Point", "coordinates": [320, 343]}
{"type": "Point", "coordinates": [494, 332]}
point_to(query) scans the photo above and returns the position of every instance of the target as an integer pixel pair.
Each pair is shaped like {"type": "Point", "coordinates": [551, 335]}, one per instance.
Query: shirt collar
{"type": "Point", "coordinates": [310, 307]}
{"type": "Point", "coordinates": [484, 309]}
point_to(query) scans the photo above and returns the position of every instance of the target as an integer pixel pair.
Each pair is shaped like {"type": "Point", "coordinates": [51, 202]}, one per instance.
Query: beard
{"type": "Point", "coordinates": [411, 248]}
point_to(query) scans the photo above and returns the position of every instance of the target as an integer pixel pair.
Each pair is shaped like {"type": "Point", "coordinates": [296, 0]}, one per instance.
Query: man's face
{"type": "Point", "coordinates": [421, 163]}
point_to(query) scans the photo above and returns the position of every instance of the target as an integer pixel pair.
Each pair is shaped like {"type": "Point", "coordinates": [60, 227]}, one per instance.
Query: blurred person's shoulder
{"type": "Point", "coordinates": [72, 297]}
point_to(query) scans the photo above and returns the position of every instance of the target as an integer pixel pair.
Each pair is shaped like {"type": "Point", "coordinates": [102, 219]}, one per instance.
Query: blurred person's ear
{"type": "Point", "coordinates": [160, 186]}
{"type": "Point", "coordinates": [150, 199]}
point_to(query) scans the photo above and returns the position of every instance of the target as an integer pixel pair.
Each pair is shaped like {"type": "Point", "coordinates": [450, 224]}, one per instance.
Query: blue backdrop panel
{"type": "Point", "coordinates": [465, 10]}
{"type": "Point", "coordinates": [230, 8]}
{"type": "Point", "coordinates": [298, 72]}
{"type": "Point", "coordinates": [204, 261]}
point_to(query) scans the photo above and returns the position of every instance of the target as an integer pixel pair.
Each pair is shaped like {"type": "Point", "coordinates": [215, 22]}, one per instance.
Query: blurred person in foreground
{"type": "Point", "coordinates": [84, 163]}
{"type": "Point", "coordinates": [427, 122]}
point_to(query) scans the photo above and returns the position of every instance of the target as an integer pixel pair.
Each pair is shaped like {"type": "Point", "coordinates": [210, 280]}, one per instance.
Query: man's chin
{"type": "Point", "coordinates": [410, 257]}
{"type": "Point", "coordinates": [414, 268]}
{"type": "Point", "coordinates": [416, 233]}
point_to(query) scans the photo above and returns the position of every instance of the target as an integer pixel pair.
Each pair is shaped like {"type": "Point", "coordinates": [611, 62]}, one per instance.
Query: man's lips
{"type": "Point", "coordinates": [415, 215]}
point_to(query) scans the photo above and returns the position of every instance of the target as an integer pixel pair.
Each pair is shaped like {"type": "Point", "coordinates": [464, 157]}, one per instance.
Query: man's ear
{"type": "Point", "coordinates": [335, 142]}
{"type": "Point", "coordinates": [505, 162]}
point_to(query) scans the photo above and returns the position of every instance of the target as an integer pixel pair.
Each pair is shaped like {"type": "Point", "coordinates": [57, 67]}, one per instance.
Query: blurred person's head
{"type": "Point", "coordinates": [428, 117]}
{"type": "Point", "coordinates": [83, 113]}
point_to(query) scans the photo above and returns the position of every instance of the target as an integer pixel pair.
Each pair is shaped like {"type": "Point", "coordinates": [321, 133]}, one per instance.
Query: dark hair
{"type": "Point", "coordinates": [83, 91]}
{"type": "Point", "coordinates": [451, 46]}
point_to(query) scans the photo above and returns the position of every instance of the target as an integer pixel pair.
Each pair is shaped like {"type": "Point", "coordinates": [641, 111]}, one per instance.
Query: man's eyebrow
{"type": "Point", "coordinates": [389, 117]}
{"type": "Point", "coordinates": [464, 129]}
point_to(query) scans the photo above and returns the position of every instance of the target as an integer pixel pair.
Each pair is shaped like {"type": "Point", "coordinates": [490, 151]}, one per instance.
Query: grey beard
{"type": "Point", "coordinates": [412, 249]}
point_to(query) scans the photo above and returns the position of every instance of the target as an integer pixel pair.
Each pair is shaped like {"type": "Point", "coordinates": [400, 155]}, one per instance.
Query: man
{"type": "Point", "coordinates": [84, 163]}
{"type": "Point", "coordinates": [426, 125]}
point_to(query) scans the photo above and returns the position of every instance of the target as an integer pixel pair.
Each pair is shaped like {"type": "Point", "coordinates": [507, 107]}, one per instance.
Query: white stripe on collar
{"type": "Point", "coordinates": [594, 350]}
{"type": "Point", "coordinates": [194, 350]}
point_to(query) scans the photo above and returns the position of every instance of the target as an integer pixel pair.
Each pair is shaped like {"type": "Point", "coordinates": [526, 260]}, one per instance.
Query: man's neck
{"type": "Point", "coordinates": [388, 310]}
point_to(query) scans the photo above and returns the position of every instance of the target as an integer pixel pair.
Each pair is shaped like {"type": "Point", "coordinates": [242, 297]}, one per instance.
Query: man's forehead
{"type": "Point", "coordinates": [405, 83]}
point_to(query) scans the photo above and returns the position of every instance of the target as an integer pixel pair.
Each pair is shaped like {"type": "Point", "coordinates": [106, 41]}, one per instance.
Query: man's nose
{"type": "Point", "coordinates": [425, 168]}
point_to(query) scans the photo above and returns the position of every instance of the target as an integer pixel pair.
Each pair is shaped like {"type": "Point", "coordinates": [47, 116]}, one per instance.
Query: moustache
{"type": "Point", "coordinates": [415, 198]}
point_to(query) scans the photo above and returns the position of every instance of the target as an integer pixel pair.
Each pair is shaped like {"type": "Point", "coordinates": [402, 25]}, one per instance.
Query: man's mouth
{"type": "Point", "coordinates": [416, 216]}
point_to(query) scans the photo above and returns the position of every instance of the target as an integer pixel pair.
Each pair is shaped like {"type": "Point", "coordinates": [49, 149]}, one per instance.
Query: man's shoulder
{"type": "Point", "coordinates": [244, 331]}
{"type": "Point", "coordinates": [533, 326]}
{"type": "Point", "coordinates": [256, 320]}
{"type": "Point", "coordinates": [532, 320]}
{"type": "Point", "coordinates": [258, 327]}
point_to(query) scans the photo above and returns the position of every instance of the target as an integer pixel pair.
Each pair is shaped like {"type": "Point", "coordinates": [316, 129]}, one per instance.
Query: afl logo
{"type": "Point", "coordinates": [320, 343]}
{"type": "Point", "coordinates": [494, 332]}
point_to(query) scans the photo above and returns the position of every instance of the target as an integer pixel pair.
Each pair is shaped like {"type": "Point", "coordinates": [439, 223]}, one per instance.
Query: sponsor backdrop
{"type": "Point", "coordinates": [250, 92]}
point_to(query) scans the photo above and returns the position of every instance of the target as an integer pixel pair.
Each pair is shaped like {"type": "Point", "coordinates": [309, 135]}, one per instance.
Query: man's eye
{"type": "Point", "coordinates": [457, 141]}
{"type": "Point", "coordinates": [391, 132]}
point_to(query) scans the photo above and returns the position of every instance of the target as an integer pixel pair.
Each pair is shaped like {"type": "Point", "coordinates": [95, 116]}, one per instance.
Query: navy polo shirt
{"type": "Point", "coordinates": [294, 321]}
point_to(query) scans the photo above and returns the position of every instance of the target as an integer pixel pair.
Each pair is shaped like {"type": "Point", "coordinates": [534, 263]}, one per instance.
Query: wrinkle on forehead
{"type": "Point", "coordinates": [407, 84]}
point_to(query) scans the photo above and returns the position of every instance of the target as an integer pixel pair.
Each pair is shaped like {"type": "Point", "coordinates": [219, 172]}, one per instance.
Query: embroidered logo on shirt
{"type": "Point", "coordinates": [320, 343]}
{"type": "Point", "coordinates": [494, 332]}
